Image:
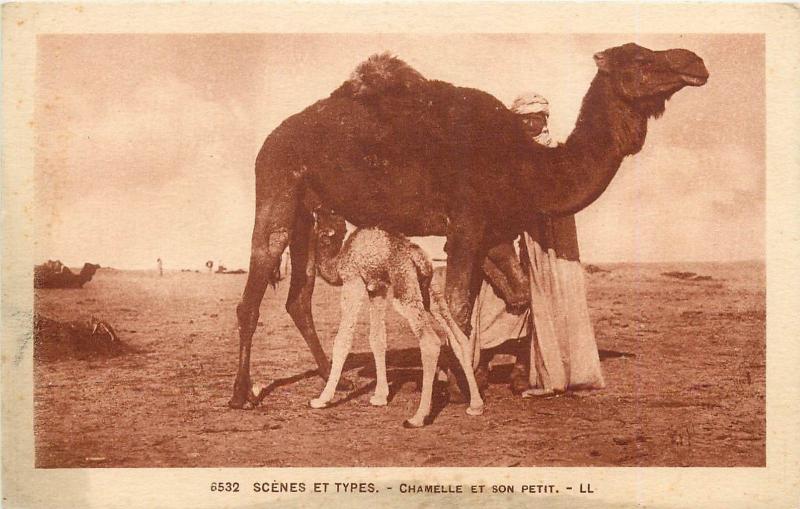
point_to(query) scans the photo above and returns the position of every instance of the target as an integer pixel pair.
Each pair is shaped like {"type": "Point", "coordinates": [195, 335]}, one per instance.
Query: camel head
{"type": "Point", "coordinates": [331, 229]}
{"type": "Point", "coordinates": [647, 78]}
{"type": "Point", "coordinates": [89, 269]}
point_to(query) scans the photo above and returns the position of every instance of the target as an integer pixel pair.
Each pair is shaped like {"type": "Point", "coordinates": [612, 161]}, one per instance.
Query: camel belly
{"type": "Point", "coordinates": [397, 201]}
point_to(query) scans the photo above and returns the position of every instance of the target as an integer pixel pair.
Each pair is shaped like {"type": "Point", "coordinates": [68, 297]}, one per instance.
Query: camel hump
{"type": "Point", "coordinates": [379, 74]}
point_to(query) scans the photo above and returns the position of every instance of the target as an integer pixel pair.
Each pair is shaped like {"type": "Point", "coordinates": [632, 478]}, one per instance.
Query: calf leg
{"type": "Point", "coordinates": [377, 342]}
{"type": "Point", "coordinates": [353, 293]}
{"type": "Point", "coordinates": [429, 346]}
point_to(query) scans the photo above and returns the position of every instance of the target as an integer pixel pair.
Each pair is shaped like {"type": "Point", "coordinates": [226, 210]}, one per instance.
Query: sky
{"type": "Point", "coordinates": [146, 143]}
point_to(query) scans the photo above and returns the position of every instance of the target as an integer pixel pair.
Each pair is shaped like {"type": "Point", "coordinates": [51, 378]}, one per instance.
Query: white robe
{"type": "Point", "coordinates": [564, 354]}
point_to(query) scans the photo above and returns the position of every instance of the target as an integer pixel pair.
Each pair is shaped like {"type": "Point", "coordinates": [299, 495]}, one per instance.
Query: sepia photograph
{"type": "Point", "coordinates": [305, 242]}
{"type": "Point", "coordinates": [502, 255]}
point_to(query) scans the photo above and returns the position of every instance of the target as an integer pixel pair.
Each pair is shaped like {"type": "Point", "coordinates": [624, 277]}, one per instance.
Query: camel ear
{"type": "Point", "coordinates": [602, 62]}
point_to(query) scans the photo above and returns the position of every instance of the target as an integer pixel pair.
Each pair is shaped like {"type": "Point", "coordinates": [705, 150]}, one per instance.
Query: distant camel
{"type": "Point", "coordinates": [45, 277]}
{"type": "Point", "coordinates": [422, 157]}
{"type": "Point", "coordinates": [371, 262]}
{"type": "Point", "coordinates": [221, 269]}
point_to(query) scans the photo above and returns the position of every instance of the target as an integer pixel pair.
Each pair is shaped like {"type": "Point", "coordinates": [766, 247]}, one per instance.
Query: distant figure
{"type": "Point", "coordinates": [210, 265]}
{"type": "Point", "coordinates": [45, 275]}
{"type": "Point", "coordinates": [160, 267]}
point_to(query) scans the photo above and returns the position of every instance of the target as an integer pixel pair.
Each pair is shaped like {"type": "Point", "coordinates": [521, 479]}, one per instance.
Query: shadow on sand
{"type": "Point", "coordinates": [404, 366]}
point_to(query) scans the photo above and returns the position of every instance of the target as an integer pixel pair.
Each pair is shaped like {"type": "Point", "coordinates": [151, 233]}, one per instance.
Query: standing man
{"type": "Point", "coordinates": [534, 110]}
{"type": "Point", "coordinates": [492, 324]}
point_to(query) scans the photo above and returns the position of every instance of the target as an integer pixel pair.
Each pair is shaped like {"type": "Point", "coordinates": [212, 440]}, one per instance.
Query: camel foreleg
{"type": "Point", "coordinates": [271, 234]}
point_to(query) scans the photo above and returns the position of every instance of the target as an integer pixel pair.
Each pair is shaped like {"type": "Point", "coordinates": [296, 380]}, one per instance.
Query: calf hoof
{"type": "Point", "coordinates": [378, 400]}
{"type": "Point", "coordinates": [413, 423]}
{"type": "Point", "coordinates": [478, 410]}
{"type": "Point", "coordinates": [318, 403]}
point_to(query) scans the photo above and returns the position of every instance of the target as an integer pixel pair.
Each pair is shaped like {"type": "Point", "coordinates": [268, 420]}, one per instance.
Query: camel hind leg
{"type": "Point", "coordinates": [271, 232]}
{"type": "Point", "coordinates": [461, 346]}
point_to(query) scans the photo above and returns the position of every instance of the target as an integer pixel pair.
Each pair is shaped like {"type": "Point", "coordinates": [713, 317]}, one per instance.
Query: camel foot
{"type": "Point", "coordinates": [237, 402]}
{"type": "Point", "coordinates": [377, 400]}
{"type": "Point", "coordinates": [318, 403]}
{"type": "Point", "coordinates": [477, 410]}
{"type": "Point", "coordinates": [413, 423]}
{"type": "Point", "coordinates": [242, 403]}
{"type": "Point", "coordinates": [241, 396]}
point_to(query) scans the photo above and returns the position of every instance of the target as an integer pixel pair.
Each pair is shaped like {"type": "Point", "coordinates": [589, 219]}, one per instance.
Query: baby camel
{"type": "Point", "coordinates": [366, 265]}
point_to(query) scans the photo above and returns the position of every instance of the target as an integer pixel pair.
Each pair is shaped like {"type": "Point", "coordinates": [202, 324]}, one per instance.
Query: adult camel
{"type": "Point", "coordinates": [56, 275]}
{"type": "Point", "coordinates": [421, 157]}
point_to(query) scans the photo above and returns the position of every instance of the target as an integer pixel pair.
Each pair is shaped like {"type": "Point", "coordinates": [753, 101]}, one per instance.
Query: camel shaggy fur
{"type": "Point", "coordinates": [369, 264]}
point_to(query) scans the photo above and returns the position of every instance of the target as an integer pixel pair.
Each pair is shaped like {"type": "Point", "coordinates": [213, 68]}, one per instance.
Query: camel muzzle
{"type": "Point", "coordinates": [689, 66]}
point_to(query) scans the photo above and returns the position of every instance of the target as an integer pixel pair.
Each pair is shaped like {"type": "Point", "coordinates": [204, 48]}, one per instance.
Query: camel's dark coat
{"type": "Point", "coordinates": [421, 157]}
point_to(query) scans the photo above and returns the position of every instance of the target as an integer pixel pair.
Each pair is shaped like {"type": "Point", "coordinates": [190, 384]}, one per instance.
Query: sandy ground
{"type": "Point", "coordinates": [684, 364]}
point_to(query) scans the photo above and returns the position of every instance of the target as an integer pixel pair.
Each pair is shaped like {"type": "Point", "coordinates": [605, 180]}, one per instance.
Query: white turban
{"type": "Point", "coordinates": [530, 102]}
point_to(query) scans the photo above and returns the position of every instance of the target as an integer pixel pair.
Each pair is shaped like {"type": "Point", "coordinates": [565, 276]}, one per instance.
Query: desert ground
{"type": "Point", "coordinates": [683, 360]}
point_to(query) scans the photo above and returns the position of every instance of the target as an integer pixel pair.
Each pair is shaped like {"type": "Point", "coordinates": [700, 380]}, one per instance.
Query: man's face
{"type": "Point", "coordinates": [534, 123]}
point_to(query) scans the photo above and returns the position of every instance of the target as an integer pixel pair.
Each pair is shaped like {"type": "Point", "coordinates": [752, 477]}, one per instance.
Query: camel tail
{"type": "Point", "coordinates": [424, 274]}
{"type": "Point", "coordinates": [380, 74]}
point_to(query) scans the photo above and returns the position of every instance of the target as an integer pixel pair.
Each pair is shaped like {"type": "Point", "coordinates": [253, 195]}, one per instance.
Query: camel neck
{"type": "Point", "coordinates": [572, 176]}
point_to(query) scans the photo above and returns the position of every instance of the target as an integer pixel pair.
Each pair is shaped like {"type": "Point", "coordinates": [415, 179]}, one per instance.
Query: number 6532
{"type": "Point", "coordinates": [225, 486]}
